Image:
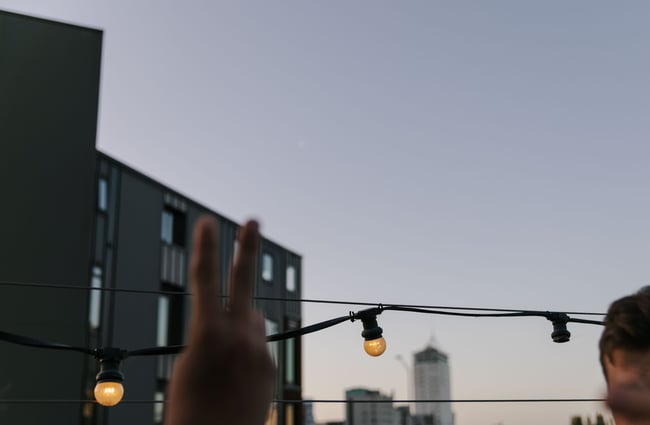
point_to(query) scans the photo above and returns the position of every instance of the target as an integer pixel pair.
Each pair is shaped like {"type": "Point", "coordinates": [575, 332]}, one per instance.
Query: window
{"type": "Point", "coordinates": [172, 265]}
{"type": "Point", "coordinates": [170, 326]}
{"type": "Point", "coordinates": [102, 195]}
{"type": "Point", "coordinates": [163, 321]}
{"type": "Point", "coordinates": [272, 328]}
{"type": "Point", "coordinates": [95, 298]}
{"type": "Point", "coordinates": [289, 415]}
{"type": "Point", "coordinates": [290, 358]}
{"type": "Point", "coordinates": [172, 228]}
{"type": "Point", "coordinates": [158, 408]}
{"type": "Point", "coordinates": [291, 278]}
{"type": "Point", "coordinates": [164, 363]}
{"type": "Point", "coordinates": [267, 267]}
{"type": "Point", "coordinates": [167, 230]}
{"type": "Point", "coordinates": [100, 230]}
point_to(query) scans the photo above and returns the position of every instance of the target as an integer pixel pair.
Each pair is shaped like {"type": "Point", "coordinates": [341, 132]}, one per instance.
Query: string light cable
{"type": "Point", "coordinates": [278, 299]}
{"type": "Point", "coordinates": [337, 401]}
{"type": "Point", "coordinates": [109, 389]}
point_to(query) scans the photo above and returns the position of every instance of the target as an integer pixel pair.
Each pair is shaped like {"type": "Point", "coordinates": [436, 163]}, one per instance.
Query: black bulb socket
{"type": "Point", "coordinates": [560, 332]}
{"type": "Point", "coordinates": [109, 365]}
{"type": "Point", "coordinates": [371, 329]}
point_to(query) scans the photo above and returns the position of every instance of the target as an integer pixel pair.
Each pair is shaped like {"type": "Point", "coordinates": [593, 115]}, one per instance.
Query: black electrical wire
{"type": "Point", "coordinates": [377, 309]}
{"type": "Point", "coordinates": [357, 316]}
{"type": "Point", "coordinates": [90, 288]}
{"type": "Point", "coordinates": [39, 343]}
{"type": "Point", "coordinates": [308, 329]}
{"type": "Point", "coordinates": [587, 322]}
{"type": "Point", "coordinates": [300, 300]}
{"type": "Point", "coordinates": [156, 351]}
{"type": "Point", "coordinates": [522, 313]}
{"type": "Point", "coordinates": [360, 315]}
{"type": "Point", "coordinates": [519, 313]}
{"type": "Point", "coordinates": [486, 400]}
{"type": "Point", "coordinates": [332, 401]}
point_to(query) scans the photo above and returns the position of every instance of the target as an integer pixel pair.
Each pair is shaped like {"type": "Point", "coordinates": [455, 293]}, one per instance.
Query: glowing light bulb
{"type": "Point", "coordinates": [375, 347]}
{"type": "Point", "coordinates": [374, 343]}
{"type": "Point", "coordinates": [109, 393]}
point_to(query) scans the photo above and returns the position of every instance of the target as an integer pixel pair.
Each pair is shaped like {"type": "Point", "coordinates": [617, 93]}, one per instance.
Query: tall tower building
{"type": "Point", "coordinates": [431, 381]}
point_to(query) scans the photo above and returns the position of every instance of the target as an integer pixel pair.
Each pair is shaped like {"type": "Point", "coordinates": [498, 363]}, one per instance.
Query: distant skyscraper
{"type": "Point", "coordinates": [431, 380]}
{"type": "Point", "coordinates": [367, 413]}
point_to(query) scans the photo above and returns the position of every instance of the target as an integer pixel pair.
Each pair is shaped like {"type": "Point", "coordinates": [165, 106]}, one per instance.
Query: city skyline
{"type": "Point", "coordinates": [465, 154]}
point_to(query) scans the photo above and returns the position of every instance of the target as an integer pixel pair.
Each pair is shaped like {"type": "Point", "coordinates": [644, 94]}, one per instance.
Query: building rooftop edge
{"type": "Point", "coordinates": [57, 21]}
{"type": "Point", "coordinates": [150, 179]}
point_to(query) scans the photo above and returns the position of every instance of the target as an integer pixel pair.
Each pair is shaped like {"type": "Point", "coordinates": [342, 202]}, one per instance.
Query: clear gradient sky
{"type": "Point", "coordinates": [483, 154]}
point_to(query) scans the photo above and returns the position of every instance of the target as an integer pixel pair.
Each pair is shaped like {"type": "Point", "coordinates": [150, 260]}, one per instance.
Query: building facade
{"type": "Point", "coordinates": [82, 219]}
{"type": "Point", "coordinates": [431, 380]}
{"type": "Point", "coordinates": [142, 241]}
{"type": "Point", "coordinates": [368, 407]}
{"type": "Point", "coordinates": [403, 415]}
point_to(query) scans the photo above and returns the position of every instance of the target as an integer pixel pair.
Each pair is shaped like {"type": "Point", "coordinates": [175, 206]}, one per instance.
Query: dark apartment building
{"type": "Point", "coordinates": [76, 217]}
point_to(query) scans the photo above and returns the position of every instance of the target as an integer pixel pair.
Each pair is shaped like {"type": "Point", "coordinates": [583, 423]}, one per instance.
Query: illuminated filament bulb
{"type": "Point", "coordinates": [109, 393]}
{"type": "Point", "coordinates": [375, 347]}
{"type": "Point", "coordinates": [374, 343]}
{"type": "Point", "coordinates": [109, 389]}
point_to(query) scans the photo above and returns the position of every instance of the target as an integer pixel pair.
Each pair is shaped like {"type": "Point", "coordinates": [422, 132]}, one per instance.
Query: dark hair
{"type": "Point", "coordinates": [627, 325]}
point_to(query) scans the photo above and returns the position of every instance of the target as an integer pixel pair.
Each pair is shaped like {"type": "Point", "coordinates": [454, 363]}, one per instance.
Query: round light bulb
{"type": "Point", "coordinates": [109, 393]}
{"type": "Point", "coordinates": [375, 347]}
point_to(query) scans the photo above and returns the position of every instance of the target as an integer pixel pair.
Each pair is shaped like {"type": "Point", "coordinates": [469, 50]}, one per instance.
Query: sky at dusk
{"type": "Point", "coordinates": [466, 153]}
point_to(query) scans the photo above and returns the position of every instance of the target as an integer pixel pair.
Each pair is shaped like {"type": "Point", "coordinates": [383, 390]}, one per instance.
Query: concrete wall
{"type": "Point", "coordinates": [49, 86]}
{"type": "Point", "coordinates": [135, 315]}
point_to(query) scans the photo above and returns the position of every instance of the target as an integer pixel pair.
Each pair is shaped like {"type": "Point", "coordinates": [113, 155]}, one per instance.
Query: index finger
{"type": "Point", "coordinates": [204, 274]}
{"type": "Point", "coordinates": [242, 279]}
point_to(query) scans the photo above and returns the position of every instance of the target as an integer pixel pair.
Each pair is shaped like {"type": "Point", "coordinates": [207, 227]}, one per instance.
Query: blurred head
{"type": "Point", "coordinates": [625, 346]}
